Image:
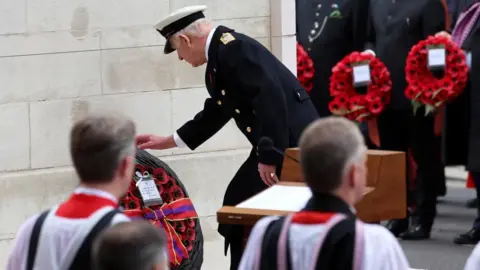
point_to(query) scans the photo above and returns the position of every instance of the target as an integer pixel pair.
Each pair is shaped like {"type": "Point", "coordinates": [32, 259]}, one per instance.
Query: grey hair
{"type": "Point", "coordinates": [328, 148]}
{"type": "Point", "coordinates": [197, 29]}
{"type": "Point", "coordinates": [130, 245]}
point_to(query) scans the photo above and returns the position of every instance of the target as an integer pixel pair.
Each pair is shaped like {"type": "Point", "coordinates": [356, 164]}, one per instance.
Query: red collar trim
{"type": "Point", "coordinates": [83, 205]}
{"type": "Point", "coordinates": [312, 217]}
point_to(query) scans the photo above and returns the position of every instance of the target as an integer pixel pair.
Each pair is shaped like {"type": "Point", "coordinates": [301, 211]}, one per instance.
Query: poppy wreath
{"type": "Point", "coordinates": [423, 88]}
{"type": "Point", "coordinates": [347, 101]}
{"type": "Point", "coordinates": [305, 70]}
{"type": "Point", "coordinates": [176, 217]}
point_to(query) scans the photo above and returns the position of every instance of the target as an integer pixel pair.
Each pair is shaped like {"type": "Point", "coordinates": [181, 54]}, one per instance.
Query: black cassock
{"type": "Point", "coordinates": [462, 125]}
{"type": "Point", "coordinates": [329, 30]}
{"type": "Point", "coordinates": [395, 27]}
{"type": "Point", "coordinates": [248, 83]}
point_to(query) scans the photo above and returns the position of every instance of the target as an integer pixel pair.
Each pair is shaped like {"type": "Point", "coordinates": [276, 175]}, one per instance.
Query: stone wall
{"type": "Point", "coordinates": [62, 59]}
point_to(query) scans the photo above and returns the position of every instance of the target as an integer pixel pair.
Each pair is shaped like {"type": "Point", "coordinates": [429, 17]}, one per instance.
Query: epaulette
{"type": "Point", "coordinates": [226, 38]}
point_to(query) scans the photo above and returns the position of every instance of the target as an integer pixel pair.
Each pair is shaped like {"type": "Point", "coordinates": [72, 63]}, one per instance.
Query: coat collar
{"type": "Point", "coordinates": [328, 203]}
{"type": "Point", "coordinates": [214, 43]}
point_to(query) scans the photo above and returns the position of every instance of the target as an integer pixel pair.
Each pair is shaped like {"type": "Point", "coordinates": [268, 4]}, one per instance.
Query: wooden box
{"type": "Point", "coordinates": [384, 199]}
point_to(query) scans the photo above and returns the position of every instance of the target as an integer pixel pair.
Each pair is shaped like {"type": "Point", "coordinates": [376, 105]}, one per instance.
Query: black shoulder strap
{"type": "Point", "coordinates": [82, 260]}
{"type": "Point", "coordinates": [337, 251]}
{"type": "Point", "coordinates": [268, 258]}
{"type": "Point", "coordinates": [32, 246]}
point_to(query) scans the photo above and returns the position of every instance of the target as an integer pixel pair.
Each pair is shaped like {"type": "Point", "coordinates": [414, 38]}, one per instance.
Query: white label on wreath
{"type": "Point", "coordinates": [469, 60]}
{"type": "Point", "coordinates": [148, 190]}
{"type": "Point", "coordinates": [361, 75]}
{"type": "Point", "coordinates": [436, 58]}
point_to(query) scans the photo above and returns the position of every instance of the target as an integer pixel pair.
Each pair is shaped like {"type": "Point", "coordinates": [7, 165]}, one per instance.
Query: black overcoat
{"type": "Point", "coordinates": [248, 83]}
{"type": "Point", "coordinates": [329, 31]}
{"type": "Point", "coordinates": [462, 117]}
{"type": "Point", "coordinates": [395, 27]}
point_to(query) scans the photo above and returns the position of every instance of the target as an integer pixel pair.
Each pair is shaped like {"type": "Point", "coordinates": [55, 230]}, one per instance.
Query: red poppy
{"type": "Point", "coordinates": [346, 101]}
{"type": "Point", "coordinates": [427, 89]}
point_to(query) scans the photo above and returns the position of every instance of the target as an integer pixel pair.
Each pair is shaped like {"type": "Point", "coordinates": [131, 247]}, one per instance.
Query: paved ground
{"type": "Point", "coordinates": [438, 253]}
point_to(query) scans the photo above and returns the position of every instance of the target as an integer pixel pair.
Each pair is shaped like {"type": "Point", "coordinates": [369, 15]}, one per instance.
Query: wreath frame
{"type": "Point", "coordinates": [346, 101]}
{"type": "Point", "coordinates": [423, 87]}
{"type": "Point", "coordinates": [148, 162]}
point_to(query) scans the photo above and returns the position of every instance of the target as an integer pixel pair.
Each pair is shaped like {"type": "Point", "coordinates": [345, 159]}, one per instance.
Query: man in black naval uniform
{"type": "Point", "coordinates": [246, 82]}
{"type": "Point", "coordinates": [395, 27]}
{"type": "Point", "coordinates": [329, 30]}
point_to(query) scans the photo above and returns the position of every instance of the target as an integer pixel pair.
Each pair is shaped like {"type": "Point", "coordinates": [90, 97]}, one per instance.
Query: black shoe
{"type": "Point", "coordinates": [397, 226]}
{"type": "Point", "coordinates": [471, 237]}
{"type": "Point", "coordinates": [416, 232]}
{"type": "Point", "coordinates": [473, 203]}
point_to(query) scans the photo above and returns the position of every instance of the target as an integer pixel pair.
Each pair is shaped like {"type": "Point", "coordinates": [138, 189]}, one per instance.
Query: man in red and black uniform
{"type": "Point", "coordinates": [103, 153]}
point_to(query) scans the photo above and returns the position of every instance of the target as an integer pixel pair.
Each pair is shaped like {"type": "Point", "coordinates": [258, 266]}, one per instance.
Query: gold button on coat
{"type": "Point", "coordinates": [249, 129]}
{"type": "Point", "coordinates": [223, 92]}
{"type": "Point", "coordinates": [219, 102]}
{"type": "Point", "coordinates": [237, 111]}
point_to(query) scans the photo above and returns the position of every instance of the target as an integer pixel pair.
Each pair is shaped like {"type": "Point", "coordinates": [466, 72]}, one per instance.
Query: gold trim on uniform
{"type": "Point", "coordinates": [249, 129]}
{"type": "Point", "coordinates": [219, 102]}
{"type": "Point", "coordinates": [226, 38]}
{"type": "Point", "coordinates": [237, 111]}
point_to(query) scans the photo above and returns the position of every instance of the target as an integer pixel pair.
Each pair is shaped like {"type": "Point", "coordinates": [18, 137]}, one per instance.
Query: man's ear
{"type": "Point", "coordinates": [184, 39]}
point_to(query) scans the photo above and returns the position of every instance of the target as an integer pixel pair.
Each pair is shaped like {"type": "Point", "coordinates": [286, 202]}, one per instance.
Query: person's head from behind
{"type": "Point", "coordinates": [136, 245]}
{"type": "Point", "coordinates": [333, 158]}
{"type": "Point", "coordinates": [102, 148]}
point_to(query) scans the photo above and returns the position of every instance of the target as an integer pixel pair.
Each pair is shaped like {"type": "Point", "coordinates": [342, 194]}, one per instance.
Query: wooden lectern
{"type": "Point", "coordinates": [384, 199]}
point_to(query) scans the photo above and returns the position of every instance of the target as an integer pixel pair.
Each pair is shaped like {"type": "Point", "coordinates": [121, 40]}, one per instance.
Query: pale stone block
{"type": "Point", "coordinates": [24, 194]}
{"type": "Point", "coordinates": [79, 16]}
{"type": "Point", "coordinates": [209, 228]}
{"type": "Point", "coordinates": [285, 49]}
{"type": "Point", "coordinates": [214, 255]}
{"type": "Point", "coordinates": [265, 42]}
{"type": "Point", "coordinates": [282, 18]}
{"type": "Point", "coordinates": [5, 246]}
{"type": "Point", "coordinates": [134, 36]}
{"type": "Point", "coordinates": [15, 137]}
{"type": "Point", "coordinates": [47, 42]}
{"type": "Point", "coordinates": [218, 10]}
{"type": "Point", "coordinates": [186, 103]}
{"type": "Point", "coordinates": [12, 16]}
{"type": "Point", "coordinates": [206, 176]}
{"type": "Point", "coordinates": [40, 77]}
{"type": "Point", "coordinates": [258, 27]}
{"type": "Point", "coordinates": [51, 121]}
{"type": "Point", "coordinates": [147, 69]}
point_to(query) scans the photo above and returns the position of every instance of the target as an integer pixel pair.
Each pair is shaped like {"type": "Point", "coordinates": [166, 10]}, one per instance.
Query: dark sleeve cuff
{"type": "Point", "coordinates": [269, 157]}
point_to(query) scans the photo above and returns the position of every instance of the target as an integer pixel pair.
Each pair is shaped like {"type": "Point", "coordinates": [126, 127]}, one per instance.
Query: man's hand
{"type": "Point", "coordinates": [267, 173]}
{"type": "Point", "coordinates": [443, 34]}
{"type": "Point", "coordinates": [149, 141]}
{"type": "Point", "coordinates": [369, 52]}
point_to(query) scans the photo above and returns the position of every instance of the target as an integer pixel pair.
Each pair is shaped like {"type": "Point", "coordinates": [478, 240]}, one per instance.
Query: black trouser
{"type": "Point", "coordinates": [401, 131]}
{"type": "Point", "coordinates": [245, 184]}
